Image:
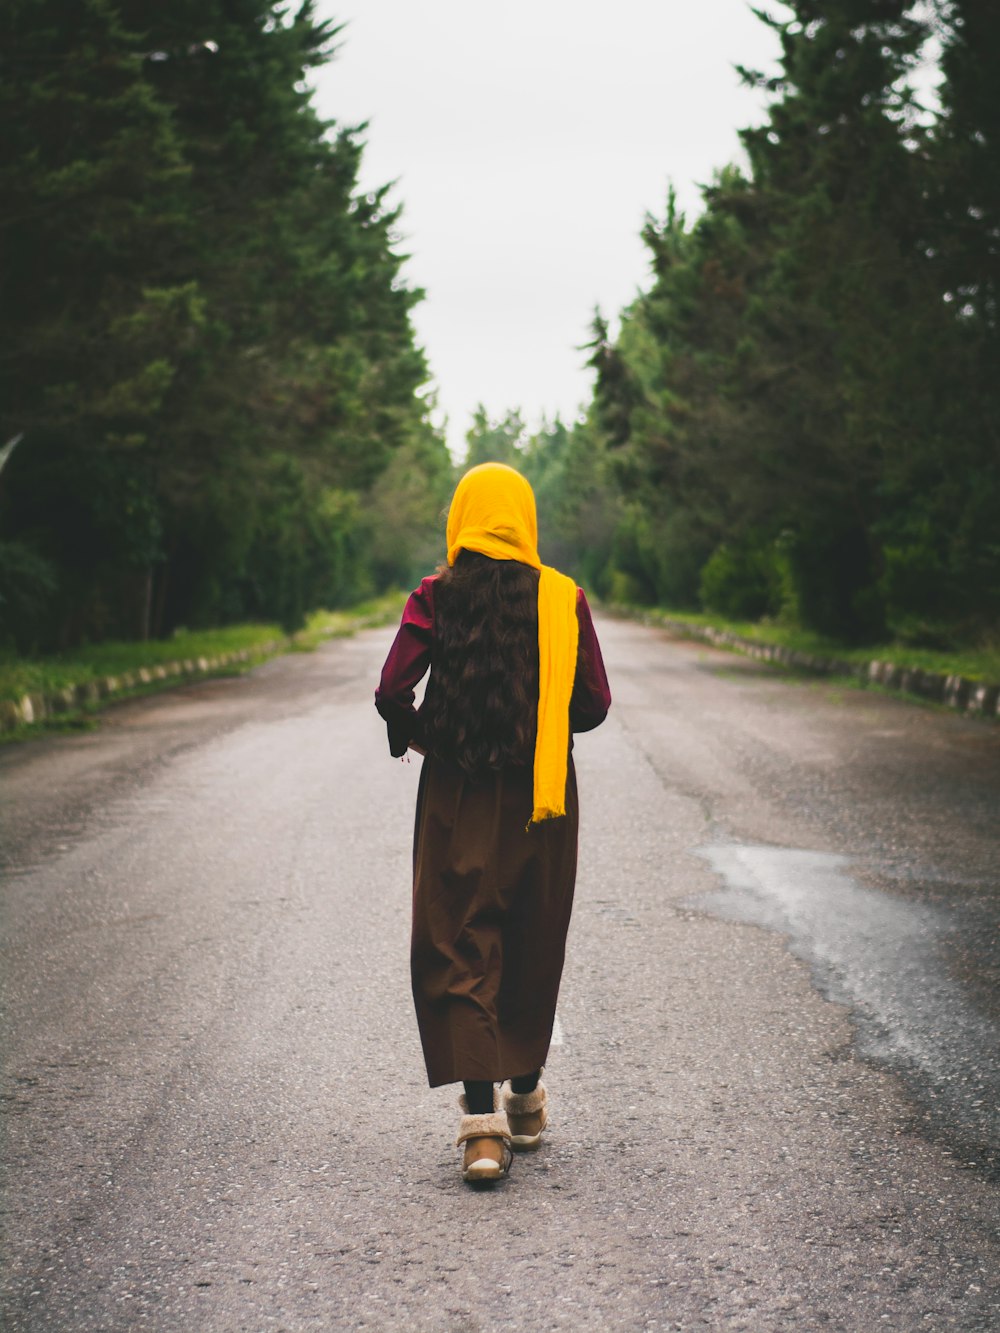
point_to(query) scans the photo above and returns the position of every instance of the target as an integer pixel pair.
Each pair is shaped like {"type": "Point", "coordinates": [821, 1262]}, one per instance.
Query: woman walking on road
{"type": "Point", "coordinates": [515, 668]}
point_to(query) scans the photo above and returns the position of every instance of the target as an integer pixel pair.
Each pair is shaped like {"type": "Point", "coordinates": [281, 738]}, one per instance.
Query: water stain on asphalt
{"type": "Point", "coordinates": [891, 961]}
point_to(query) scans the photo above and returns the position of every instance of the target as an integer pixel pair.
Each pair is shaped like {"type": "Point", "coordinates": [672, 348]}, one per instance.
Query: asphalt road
{"type": "Point", "coordinates": [776, 1085]}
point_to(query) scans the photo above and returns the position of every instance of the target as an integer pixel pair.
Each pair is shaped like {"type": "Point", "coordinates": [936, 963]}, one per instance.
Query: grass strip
{"type": "Point", "coordinates": [974, 664]}
{"type": "Point", "coordinates": [50, 675]}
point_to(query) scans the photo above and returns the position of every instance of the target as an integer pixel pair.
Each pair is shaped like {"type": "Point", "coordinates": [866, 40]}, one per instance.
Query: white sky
{"type": "Point", "coordinates": [528, 141]}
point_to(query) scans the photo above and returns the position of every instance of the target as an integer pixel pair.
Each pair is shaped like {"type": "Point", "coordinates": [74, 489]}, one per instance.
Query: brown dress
{"type": "Point", "coordinates": [492, 898]}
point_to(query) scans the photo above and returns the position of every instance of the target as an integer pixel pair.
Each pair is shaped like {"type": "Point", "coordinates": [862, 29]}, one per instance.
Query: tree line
{"type": "Point", "coordinates": [800, 416]}
{"type": "Point", "coordinates": [211, 400]}
{"type": "Point", "coordinates": [213, 407]}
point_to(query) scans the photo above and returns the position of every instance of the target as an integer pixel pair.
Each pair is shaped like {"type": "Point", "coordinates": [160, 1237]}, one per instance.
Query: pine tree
{"type": "Point", "coordinates": [848, 301]}
{"type": "Point", "coordinates": [495, 439]}
{"type": "Point", "coordinates": [212, 358]}
{"type": "Point", "coordinates": [948, 563]}
{"type": "Point", "coordinates": [966, 151]}
{"type": "Point", "coordinates": [780, 378]}
{"type": "Point", "coordinates": [94, 328]}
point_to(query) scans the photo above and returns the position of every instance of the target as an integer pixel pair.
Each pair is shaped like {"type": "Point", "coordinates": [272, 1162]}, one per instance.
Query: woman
{"type": "Point", "coordinates": [515, 667]}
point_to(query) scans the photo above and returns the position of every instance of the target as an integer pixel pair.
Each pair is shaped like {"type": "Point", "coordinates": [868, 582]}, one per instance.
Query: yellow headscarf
{"type": "Point", "coordinates": [493, 512]}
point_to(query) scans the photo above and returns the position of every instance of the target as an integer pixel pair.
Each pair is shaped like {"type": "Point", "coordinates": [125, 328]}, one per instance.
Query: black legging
{"type": "Point", "coordinates": [479, 1092]}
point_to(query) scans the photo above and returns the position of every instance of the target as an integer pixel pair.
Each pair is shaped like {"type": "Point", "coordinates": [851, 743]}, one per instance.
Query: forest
{"type": "Point", "coordinates": [213, 407]}
{"type": "Point", "coordinates": [210, 393]}
{"type": "Point", "coordinates": [799, 418]}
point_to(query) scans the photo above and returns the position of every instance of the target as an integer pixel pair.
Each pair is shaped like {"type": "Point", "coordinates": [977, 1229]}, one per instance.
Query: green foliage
{"type": "Point", "coordinates": [976, 664]}
{"type": "Point", "coordinates": [209, 347]}
{"type": "Point", "coordinates": [207, 343]}
{"type": "Point", "coordinates": [29, 675]}
{"type": "Point", "coordinates": [21, 675]}
{"type": "Point", "coordinates": [801, 412]}
{"type": "Point", "coordinates": [579, 509]}
{"type": "Point", "coordinates": [405, 516]}
{"type": "Point", "coordinates": [738, 582]}
{"type": "Point", "coordinates": [296, 557]}
{"type": "Point", "coordinates": [964, 216]}
{"type": "Point", "coordinates": [495, 440]}
{"type": "Point", "coordinates": [27, 583]}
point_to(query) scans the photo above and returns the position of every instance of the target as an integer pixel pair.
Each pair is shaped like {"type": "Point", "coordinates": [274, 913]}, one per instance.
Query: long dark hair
{"type": "Point", "coordinates": [481, 704]}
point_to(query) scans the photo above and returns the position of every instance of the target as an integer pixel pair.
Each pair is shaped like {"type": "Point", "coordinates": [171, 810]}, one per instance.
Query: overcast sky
{"type": "Point", "coordinates": [528, 141]}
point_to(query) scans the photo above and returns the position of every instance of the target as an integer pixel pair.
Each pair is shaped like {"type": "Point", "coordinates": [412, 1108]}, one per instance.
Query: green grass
{"type": "Point", "coordinates": [384, 610]}
{"type": "Point", "coordinates": [975, 664]}
{"type": "Point", "coordinates": [46, 675]}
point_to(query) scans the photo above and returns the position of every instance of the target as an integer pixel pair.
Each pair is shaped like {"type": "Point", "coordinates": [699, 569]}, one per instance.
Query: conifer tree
{"type": "Point", "coordinates": [495, 440]}
{"type": "Point", "coordinates": [847, 302]}
{"type": "Point", "coordinates": [966, 151]}
{"type": "Point", "coordinates": [212, 359]}
{"type": "Point", "coordinates": [94, 325]}
{"type": "Point", "coordinates": [782, 370]}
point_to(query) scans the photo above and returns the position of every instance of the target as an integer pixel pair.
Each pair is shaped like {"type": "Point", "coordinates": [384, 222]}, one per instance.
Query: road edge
{"type": "Point", "coordinates": [954, 691]}
{"type": "Point", "coordinates": [33, 708]}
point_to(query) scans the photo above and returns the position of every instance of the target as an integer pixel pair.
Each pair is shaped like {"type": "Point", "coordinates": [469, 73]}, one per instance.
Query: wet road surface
{"type": "Point", "coordinates": [776, 1085]}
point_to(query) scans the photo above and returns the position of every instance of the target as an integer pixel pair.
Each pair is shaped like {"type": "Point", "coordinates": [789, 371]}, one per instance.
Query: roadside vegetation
{"type": "Point", "coordinates": [797, 421]}
{"type": "Point", "coordinates": [979, 665]}
{"type": "Point", "coordinates": [48, 675]}
{"type": "Point", "coordinates": [214, 412]}
{"type": "Point", "coordinates": [213, 409]}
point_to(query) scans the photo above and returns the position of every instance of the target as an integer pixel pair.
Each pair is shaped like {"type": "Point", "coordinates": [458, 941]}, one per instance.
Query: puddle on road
{"type": "Point", "coordinates": [888, 960]}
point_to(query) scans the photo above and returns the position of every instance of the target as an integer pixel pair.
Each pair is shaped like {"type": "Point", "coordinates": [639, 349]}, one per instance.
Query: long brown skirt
{"type": "Point", "coordinates": [491, 908]}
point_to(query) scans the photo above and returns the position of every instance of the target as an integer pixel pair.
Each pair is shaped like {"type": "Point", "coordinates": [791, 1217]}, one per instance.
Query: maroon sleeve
{"type": "Point", "coordinates": [591, 697]}
{"type": "Point", "coordinates": [408, 660]}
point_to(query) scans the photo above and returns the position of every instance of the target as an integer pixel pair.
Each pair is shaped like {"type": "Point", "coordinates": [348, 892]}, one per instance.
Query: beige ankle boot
{"type": "Point", "coordinates": [487, 1153]}
{"type": "Point", "coordinates": [527, 1116]}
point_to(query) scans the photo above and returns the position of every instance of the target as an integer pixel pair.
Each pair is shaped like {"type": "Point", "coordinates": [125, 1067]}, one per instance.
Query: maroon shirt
{"type": "Point", "coordinates": [410, 656]}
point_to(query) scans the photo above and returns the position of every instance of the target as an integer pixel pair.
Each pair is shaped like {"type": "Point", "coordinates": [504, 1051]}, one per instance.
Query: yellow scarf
{"type": "Point", "coordinates": [493, 512]}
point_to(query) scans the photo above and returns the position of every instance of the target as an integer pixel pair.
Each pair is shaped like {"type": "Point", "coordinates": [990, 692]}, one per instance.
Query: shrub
{"type": "Point", "coordinates": [741, 581]}
{"type": "Point", "coordinates": [27, 586]}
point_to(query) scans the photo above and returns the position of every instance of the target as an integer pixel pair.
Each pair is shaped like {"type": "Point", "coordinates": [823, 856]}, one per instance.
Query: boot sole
{"type": "Point", "coordinates": [525, 1142]}
{"type": "Point", "coordinates": [529, 1142]}
{"type": "Point", "coordinates": [484, 1169]}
